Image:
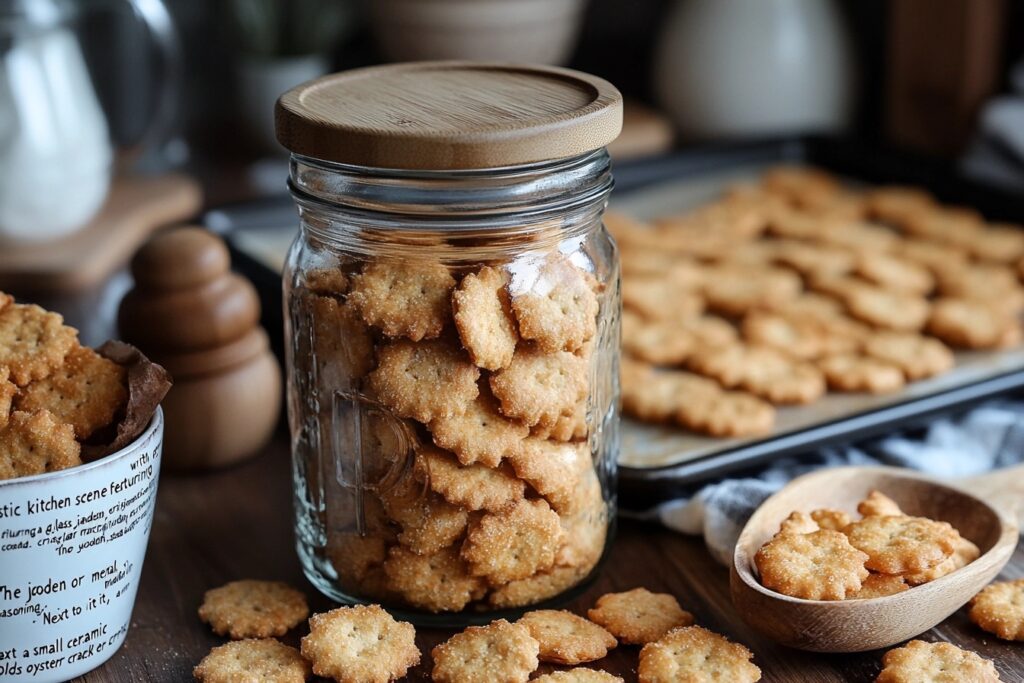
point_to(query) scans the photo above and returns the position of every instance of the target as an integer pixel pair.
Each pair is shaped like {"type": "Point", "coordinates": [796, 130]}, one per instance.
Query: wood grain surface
{"type": "Point", "coordinates": [236, 523]}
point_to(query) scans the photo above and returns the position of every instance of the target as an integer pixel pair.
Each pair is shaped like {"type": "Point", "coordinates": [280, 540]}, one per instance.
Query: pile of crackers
{"type": "Point", "coordinates": [782, 290]}
{"type": "Point", "coordinates": [491, 370]}
{"type": "Point", "coordinates": [55, 394]}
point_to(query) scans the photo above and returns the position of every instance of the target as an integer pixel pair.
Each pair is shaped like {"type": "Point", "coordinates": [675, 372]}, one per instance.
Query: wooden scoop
{"type": "Point", "coordinates": [984, 509]}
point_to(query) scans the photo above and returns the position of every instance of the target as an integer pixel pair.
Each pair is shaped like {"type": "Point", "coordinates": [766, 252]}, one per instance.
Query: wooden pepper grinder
{"type": "Point", "coordinates": [199, 320]}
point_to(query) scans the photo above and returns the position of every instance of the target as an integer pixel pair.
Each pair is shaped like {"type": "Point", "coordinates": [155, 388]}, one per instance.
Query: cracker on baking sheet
{"type": "Point", "coordinates": [253, 609]}
{"type": "Point", "coordinates": [483, 318]}
{"type": "Point", "coordinates": [359, 644]}
{"type": "Point", "coordinates": [921, 662]}
{"type": "Point", "coordinates": [854, 372]}
{"type": "Point", "coordinates": [404, 297]}
{"type": "Point", "coordinates": [266, 660]}
{"type": "Point", "coordinates": [917, 356]}
{"type": "Point", "coordinates": [973, 324]}
{"type": "Point", "coordinates": [499, 651]}
{"type": "Point", "coordinates": [693, 653]}
{"type": "Point", "coordinates": [638, 616]}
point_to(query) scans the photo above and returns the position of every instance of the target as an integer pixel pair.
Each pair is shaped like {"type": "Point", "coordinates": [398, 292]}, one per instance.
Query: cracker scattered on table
{"type": "Point", "coordinates": [921, 662]}
{"type": "Point", "coordinates": [439, 582]}
{"type": "Point", "coordinates": [696, 654]}
{"type": "Point", "coordinates": [33, 342]}
{"type": "Point", "coordinates": [555, 305]}
{"type": "Point", "coordinates": [578, 675]}
{"type": "Point", "coordinates": [474, 487]}
{"type": "Point", "coordinates": [878, 504]}
{"type": "Point", "coordinates": [87, 391]}
{"type": "Point", "coordinates": [638, 616]}
{"type": "Point", "coordinates": [540, 387]}
{"type": "Point", "coordinates": [919, 357]}
{"type": "Point", "coordinates": [999, 609]}
{"type": "Point", "coordinates": [902, 545]}
{"type": "Point", "coordinates": [361, 644]}
{"type": "Point", "coordinates": [856, 373]}
{"type": "Point", "coordinates": [404, 297]}
{"type": "Point", "coordinates": [513, 544]}
{"type": "Point", "coordinates": [481, 434]}
{"type": "Point", "coordinates": [253, 609]}
{"type": "Point", "coordinates": [424, 381]}
{"type": "Point", "coordinates": [821, 565]}
{"type": "Point", "coordinates": [243, 661]}
{"type": "Point", "coordinates": [566, 638]}
{"type": "Point", "coordinates": [483, 317]}
{"type": "Point", "coordinates": [36, 443]}
{"type": "Point", "coordinates": [499, 651]}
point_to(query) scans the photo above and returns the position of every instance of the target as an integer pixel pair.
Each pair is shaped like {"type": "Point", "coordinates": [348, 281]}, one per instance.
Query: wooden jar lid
{"type": "Point", "coordinates": [449, 115]}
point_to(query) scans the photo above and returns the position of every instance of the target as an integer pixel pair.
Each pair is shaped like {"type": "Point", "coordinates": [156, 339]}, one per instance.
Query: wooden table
{"type": "Point", "coordinates": [210, 529]}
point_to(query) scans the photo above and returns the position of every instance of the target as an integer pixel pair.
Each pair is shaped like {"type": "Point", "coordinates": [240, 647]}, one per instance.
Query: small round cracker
{"type": "Point", "coordinates": [539, 387]}
{"type": "Point", "coordinates": [895, 273]}
{"type": "Point", "coordinates": [7, 392]}
{"type": "Point", "coordinates": [999, 609]}
{"type": "Point", "coordinates": [474, 487]}
{"type": "Point", "coordinates": [481, 434]}
{"type": "Point", "coordinates": [483, 317]}
{"type": "Point", "coordinates": [965, 553]}
{"type": "Point", "coordinates": [693, 653]}
{"type": "Point", "coordinates": [265, 660]}
{"type": "Point", "coordinates": [253, 609]}
{"type": "Point", "coordinates": [902, 545]}
{"type": "Point", "coordinates": [827, 518]}
{"type": "Point", "coordinates": [439, 582]}
{"type": "Point", "coordinates": [638, 616]}
{"type": "Point", "coordinates": [821, 565]}
{"type": "Point", "coordinates": [499, 651]}
{"type": "Point", "coordinates": [566, 638]}
{"type": "Point", "coordinates": [404, 297]}
{"type": "Point", "coordinates": [424, 381]}
{"type": "Point", "coordinates": [33, 342]}
{"type": "Point", "coordinates": [360, 644]}
{"type": "Point", "coordinates": [921, 662]}
{"type": "Point", "coordinates": [554, 304]}
{"type": "Point", "coordinates": [513, 544]}
{"type": "Point", "coordinates": [35, 443]}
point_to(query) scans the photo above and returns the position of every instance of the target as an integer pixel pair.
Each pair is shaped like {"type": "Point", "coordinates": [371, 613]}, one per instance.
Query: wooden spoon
{"type": "Point", "coordinates": [984, 509]}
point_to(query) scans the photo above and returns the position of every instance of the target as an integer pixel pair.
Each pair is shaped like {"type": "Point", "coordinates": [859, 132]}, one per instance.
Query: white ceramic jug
{"type": "Point", "coordinates": [743, 68]}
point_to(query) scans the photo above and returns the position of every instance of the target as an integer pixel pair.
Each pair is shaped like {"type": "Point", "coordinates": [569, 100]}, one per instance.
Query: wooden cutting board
{"type": "Point", "coordinates": [134, 209]}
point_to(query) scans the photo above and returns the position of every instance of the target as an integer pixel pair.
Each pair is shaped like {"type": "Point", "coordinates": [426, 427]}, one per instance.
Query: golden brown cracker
{"type": "Point", "coordinates": [474, 487]}
{"type": "Point", "coordinates": [660, 396]}
{"type": "Point", "coordinates": [428, 522]}
{"type": "Point", "coordinates": [877, 503]}
{"type": "Point", "coordinates": [921, 662]}
{"type": "Point", "coordinates": [342, 343]}
{"type": "Point", "coordinates": [902, 545]}
{"type": "Point", "coordinates": [327, 281]}
{"type": "Point", "coordinates": [554, 303]}
{"type": "Point", "coordinates": [253, 609]}
{"type": "Point", "coordinates": [481, 434]}
{"type": "Point", "coordinates": [265, 660]}
{"type": "Point", "coordinates": [965, 553]}
{"type": "Point", "coordinates": [895, 273]}
{"type": "Point", "coordinates": [798, 523]}
{"type": "Point", "coordinates": [499, 651]}
{"type": "Point", "coordinates": [565, 638]}
{"type": "Point", "coordinates": [973, 324]}
{"type": "Point", "coordinates": [638, 616]}
{"type": "Point", "coordinates": [483, 317]}
{"type": "Point", "coordinates": [854, 372]}
{"type": "Point", "coordinates": [887, 309]}
{"type": "Point", "coordinates": [554, 469]}
{"type": "Point", "coordinates": [536, 588]}
{"type": "Point", "coordinates": [33, 342]}
{"type": "Point", "coordinates": [727, 414]}
{"type": "Point", "coordinates": [7, 392]}
{"type": "Point", "coordinates": [919, 357]}
{"type": "Point", "coordinates": [821, 565]}
{"type": "Point", "coordinates": [438, 582]}
{"type": "Point", "coordinates": [999, 609]}
{"type": "Point", "coordinates": [513, 544]}
{"type": "Point", "coordinates": [879, 586]}
{"type": "Point", "coordinates": [734, 291]}
{"type": "Point", "coordinates": [695, 654]}
{"type": "Point", "coordinates": [578, 675]}
{"type": "Point", "coordinates": [404, 297]}
{"type": "Point", "coordinates": [827, 518]}
{"type": "Point", "coordinates": [540, 387]}
{"type": "Point", "coordinates": [35, 443]}
{"type": "Point", "coordinates": [424, 381]}
{"type": "Point", "coordinates": [87, 391]}
{"type": "Point", "coordinates": [999, 243]}
{"type": "Point", "coordinates": [360, 644]}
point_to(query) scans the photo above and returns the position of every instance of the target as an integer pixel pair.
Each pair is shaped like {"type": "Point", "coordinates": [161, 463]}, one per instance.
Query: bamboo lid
{"type": "Point", "coordinates": [449, 115]}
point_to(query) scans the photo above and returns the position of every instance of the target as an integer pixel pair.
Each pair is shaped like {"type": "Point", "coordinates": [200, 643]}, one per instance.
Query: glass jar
{"type": "Point", "coordinates": [452, 338]}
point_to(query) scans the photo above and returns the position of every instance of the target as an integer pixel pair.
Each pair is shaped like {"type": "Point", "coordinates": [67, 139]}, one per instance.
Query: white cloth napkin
{"type": "Point", "coordinates": [985, 438]}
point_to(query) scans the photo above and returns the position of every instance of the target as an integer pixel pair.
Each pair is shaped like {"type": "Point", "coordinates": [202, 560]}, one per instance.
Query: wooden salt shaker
{"type": "Point", "coordinates": [199, 320]}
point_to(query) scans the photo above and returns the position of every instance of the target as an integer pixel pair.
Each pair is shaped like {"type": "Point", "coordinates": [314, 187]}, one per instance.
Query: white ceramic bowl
{"type": "Point", "coordinates": [71, 550]}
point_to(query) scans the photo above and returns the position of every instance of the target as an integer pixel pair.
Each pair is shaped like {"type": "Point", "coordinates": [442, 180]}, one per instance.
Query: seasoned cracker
{"type": "Point", "coordinates": [253, 661]}
{"type": "Point", "coordinates": [499, 651]}
{"type": "Point", "coordinates": [695, 654]}
{"type": "Point", "coordinates": [659, 342]}
{"type": "Point", "coordinates": [566, 428]}
{"type": "Point", "coordinates": [761, 370]}
{"type": "Point", "coordinates": [7, 392]}
{"type": "Point", "coordinates": [965, 553]}
{"type": "Point", "coordinates": [821, 565]}
{"type": "Point", "coordinates": [827, 518]}
{"type": "Point", "coordinates": [727, 414]}
{"type": "Point", "coordinates": [973, 324]}
{"type": "Point", "coordinates": [895, 273]}
{"type": "Point", "coordinates": [358, 560]}
{"type": "Point", "coordinates": [565, 638]}
{"type": "Point", "coordinates": [537, 588]}
{"type": "Point", "coordinates": [887, 309]}
{"type": "Point", "coordinates": [584, 532]}
{"type": "Point", "coordinates": [863, 237]}
{"type": "Point", "coordinates": [481, 434]}
{"type": "Point", "coordinates": [917, 356]}
{"type": "Point", "coordinates": [798, 523]}
{"type": "Point", "coordinates": [513, 544]}
{"type": "Point", "coordinates": [439, 582]}
{"type": "Point", "coordinates": [554, 469]}
{"type": "Point", "coordinates": [854, 372]}
{"type": "Point", "coordinates": [428, 522]}
{"type": "Point", "coordinates": [327, 281]}
{"type": "Point", "coordinates": [657, 298]}
{"type": "Point", "coordinates": [33, 342]}
{"type": "Point", "coordinates": [934, 256]}
{"type": "Point", "coordinates": [540, 387]}
{"type": "Point", "coordinates": [902, 545]}
{"type": "Point", "coordinates": [801, 337]}
{"type": "Point", "coordinates": [253, 609]}
{"type": "Point", "coordinates": [660, 396]}
{"type": "Point", "coordinates": [995, 284]}
{"type": "Point", "coordinates": [424, 381]}
{"type": "Point", "coordinates": [404, 297]}
{"type": "Point", "coordinates": [638, 616]}
{"type": "Point", "coordinates": [814, 260]}
{"type": "Point", "coordinates": [474, 487]}
{"type": "Point", "coordinates": [35, 443]}
{"type": "Point", "coordinates": [879, 586]}
{"type": "Point", "coordinates": [554, 304]}
{"type": "Point", "coordinates": [895, 204]}
{"type": "Point", "coordinates": [878, 504]}
{"type": "Point", "coordinates": [342, 343]}
{"type": "Point", "coordinates": [483, 317]}
{"type": "Point", "coordinates": [87, 391]}
{"type": "Point", "coordinates": [578, 675]}
{"type": "Point", "coordinates": [999, 609]}
{"type": "Point", "coordinates": [733, 291]}
{"type": "Point", "coordinates": [921, 662]}
{"type": "Point", "coordinates": [361, 644]}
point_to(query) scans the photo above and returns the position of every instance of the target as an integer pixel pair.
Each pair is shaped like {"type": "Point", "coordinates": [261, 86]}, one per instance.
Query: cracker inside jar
{"type": "Point", "coordinates": [484, 491]}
